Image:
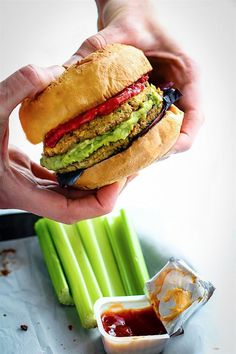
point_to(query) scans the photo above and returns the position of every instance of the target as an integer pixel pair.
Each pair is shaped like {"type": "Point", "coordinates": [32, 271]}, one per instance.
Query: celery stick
{"type": "Point", "coordinates": [83, 261]}
{"type": "Point", "coordinates": [94, 238]}
{"type": "Point", "coordinates": [120, 251]}
{"type": "Point", "coordinates": [138, 262]}
{"type": "Point", "coordinates": [128, 253]}
{"type": "Point", "coordinates": [110, 271]}
{"type": "Point", "coordinates": [53, 263]}
{"type": "Point", "coordinates": [83, 302]}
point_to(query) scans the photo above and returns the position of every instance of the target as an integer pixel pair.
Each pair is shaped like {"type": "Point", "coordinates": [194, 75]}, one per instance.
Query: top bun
{"type": "Point", "coordinates": [84, 85]}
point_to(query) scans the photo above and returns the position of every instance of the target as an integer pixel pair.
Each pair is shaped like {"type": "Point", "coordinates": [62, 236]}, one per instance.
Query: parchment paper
{"type": "Point", "coordinates": [27, 297]}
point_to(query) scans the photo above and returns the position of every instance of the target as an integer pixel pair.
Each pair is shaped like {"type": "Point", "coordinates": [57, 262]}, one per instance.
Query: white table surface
{"type": "Point", "coordinates": [192, 194]}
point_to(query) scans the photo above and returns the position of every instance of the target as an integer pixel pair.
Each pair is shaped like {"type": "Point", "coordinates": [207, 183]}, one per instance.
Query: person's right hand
{"type": "Point", "coordinates": [132, 22]}
{"type": "Point", "coordinates": [27, 186]}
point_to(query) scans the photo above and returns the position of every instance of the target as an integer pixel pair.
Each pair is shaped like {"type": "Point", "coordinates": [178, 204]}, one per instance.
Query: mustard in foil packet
{"type": "Point", "coordinates": [176, 292]}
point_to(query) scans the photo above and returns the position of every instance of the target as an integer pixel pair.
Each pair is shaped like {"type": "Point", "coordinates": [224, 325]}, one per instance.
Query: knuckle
{"type": "Point", "coordinates": [66, 218]}
{"type": "Point", "coordinates": [187, 145]}
{"type": "Point", "coordinates": [69, 220]}
{"type": "Point", "coordinates": [107, 208]}
{"type": "Point", "coordinates": [192, 67]}
{"type": "Point", "coordinates": [31, 75]}
{"type": "Point", "coordinates": [97, 41]}
{"type": "Point", "coordinates": [5, 98]}
{"type": "Point", "coordinates": [93, 43]}
{"type": "Point", "coordinates": [4, 109]}
{"type": "Point", "coordinates": [68, 213]}
{"type": "Point", "coordinates": [25, 82]}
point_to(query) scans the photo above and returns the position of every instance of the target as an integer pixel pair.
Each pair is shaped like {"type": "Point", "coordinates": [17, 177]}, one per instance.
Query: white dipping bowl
{"type": "Point", "coordinates": [151, 344]}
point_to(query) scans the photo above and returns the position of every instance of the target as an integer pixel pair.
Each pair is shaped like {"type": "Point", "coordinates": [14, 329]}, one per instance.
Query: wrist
{"type": "Point", "coordinates": [109, 10]}
{"type": "Point", "coordinates": [102, 3]}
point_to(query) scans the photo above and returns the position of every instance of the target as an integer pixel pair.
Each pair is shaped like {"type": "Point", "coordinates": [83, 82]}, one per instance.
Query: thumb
{"type": "Point", "coordinates": [25, 82]}
{"type": "Point", "coordinates": [98, 41]}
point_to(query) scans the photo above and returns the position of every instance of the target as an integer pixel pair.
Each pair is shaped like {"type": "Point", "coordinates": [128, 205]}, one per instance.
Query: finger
{"type": "Point", "coordinates": [190, 127]}
{"type": "Point", "coordinates": [21, 161]}
{"type": "Point", "coordinates": [75, 58]}
{"type": "Point", "coordinates": [190, 103]}
{"type": "Point", "coordinates": [4, 138]}
{"type": "Point", "coordinates": [25, 82]}
{"type": "Point", "coordinates": [98, 41]}
{"type": "Point", "coordinates": [53, 205]}
{"type": "Point", "coordinates": [41, 176]}
{"type": "Point", "coordinates": [126, 181]}
{"type": "Point", "coordinates": [91, 44]}
{"type": "Point", "coordinates": [44, 177]}
{"type": "Point", "coordinates": [99, 203]}
{"type": "Point", "coordinates": [75, 193]}
{"type": "Point", "coordinates": [129, 179]}
{"type": "Point", "coordinates": [42, 172]}
{"type": "Point", "coordinates": [18, 157]}
{"type": "Point", "coordinates": [37, 175]}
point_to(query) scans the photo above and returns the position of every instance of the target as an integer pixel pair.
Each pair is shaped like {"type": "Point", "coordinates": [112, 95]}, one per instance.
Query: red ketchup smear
{"type": "Point", "coordinates": [54, 135]}
{"type": "Point", "coordinates": [132, 322]}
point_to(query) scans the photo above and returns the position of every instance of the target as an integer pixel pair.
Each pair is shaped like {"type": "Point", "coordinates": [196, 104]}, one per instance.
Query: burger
{"type": "Point", "coordinates": [101, 120]}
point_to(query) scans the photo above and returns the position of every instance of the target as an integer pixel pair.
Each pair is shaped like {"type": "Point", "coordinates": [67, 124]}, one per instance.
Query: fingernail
{"type": "Point", "coordinates": [122, 184]}
{"type": "Point", "coordinates": [56, 70]}
{"type": "Point", "coordinates": [130, 178]}
{"type": "Point", "coordinates": [168, 154]}
{"type": "Point", "coordinates": [171, 152]}
{"type": "Point", "coordinates": [73, 60]}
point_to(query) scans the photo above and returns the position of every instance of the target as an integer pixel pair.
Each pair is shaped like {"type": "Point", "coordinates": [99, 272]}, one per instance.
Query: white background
{"type": "Point", "coordinates": [191, 194]}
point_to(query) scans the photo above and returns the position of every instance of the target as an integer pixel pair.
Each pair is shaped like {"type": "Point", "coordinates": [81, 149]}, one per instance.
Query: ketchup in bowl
{"type": "Point", "coordinates": [132, 322]}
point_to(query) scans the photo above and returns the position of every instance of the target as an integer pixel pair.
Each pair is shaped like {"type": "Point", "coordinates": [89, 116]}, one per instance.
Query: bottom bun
{"type": "Point", "coordinates": [143, 151]}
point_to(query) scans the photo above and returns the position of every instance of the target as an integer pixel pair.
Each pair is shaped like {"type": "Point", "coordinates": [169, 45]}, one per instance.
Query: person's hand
{"type": "Point", "coordinates": [132, 22]}
{"type": "Point", "coordinates": [27, 186]}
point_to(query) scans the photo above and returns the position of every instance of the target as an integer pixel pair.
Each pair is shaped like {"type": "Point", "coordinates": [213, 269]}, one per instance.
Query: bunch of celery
{"type": "Point", "coordinates": [92, 258]}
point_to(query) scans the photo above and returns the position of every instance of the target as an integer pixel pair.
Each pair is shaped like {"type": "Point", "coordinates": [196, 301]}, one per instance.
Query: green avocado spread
{"type": "Point", "coordinates": [85, 148]}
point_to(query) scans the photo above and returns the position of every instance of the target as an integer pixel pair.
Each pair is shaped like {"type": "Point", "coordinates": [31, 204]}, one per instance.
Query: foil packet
{"type": "Point", "coordinates": [176, 292]}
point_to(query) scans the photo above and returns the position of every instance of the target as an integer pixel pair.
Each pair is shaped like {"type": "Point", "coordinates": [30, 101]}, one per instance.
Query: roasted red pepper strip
{"type": "Point", "coordinates": [54, 135]}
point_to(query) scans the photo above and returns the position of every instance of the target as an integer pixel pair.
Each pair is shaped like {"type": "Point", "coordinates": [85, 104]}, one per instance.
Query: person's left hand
{"type": "Point", "coordinates": [27, 186]}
